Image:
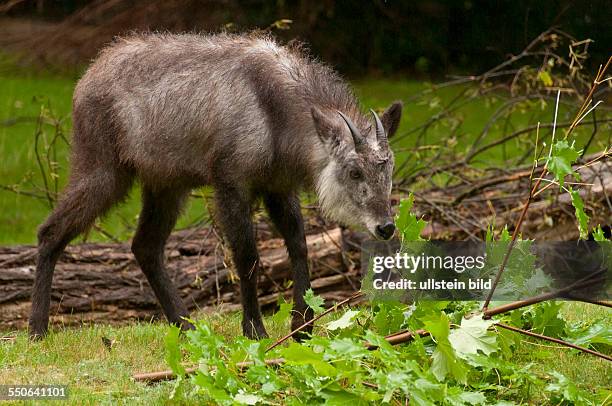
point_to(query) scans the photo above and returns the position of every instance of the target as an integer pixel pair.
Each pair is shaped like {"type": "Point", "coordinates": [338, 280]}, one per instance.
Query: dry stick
{"type": "Point", "coordinates": [582, 283]}
{"type": "Point", "coordinates": [587, 100]}
{"type": "Point", "coordinates": [604, 303]}
{"type": "Point", "coordinates": [152, 377]}
{"type": "Point", "coordinates": [555, 340]}
{"type": "Point", "coordinates": [300, 328]}
{"type": "Point", "coordinates": [400, 337]}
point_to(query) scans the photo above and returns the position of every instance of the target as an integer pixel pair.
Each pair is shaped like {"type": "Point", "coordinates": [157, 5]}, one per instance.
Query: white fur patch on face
{"type": "Point", "coordinates": [371, 224]}
{"type": "Point", "coordinates": [334, 204]}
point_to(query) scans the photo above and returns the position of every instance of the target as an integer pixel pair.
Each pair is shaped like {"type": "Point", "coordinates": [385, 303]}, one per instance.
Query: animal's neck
{"type": "Point", "coordinates": [313, 165]}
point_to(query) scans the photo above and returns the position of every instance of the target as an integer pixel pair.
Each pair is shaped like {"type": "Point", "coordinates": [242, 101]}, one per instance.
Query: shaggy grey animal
{"type": "Point", "coordinates": [241, 113]}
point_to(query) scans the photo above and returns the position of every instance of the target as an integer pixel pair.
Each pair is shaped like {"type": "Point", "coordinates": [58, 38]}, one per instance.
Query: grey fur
{"type": "Point", "coordinates": [238, 112]}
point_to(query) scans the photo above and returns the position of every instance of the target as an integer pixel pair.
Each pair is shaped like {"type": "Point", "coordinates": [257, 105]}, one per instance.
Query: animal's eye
{"type": "Point", "coordinates": [355, 174]}
{"type": "Point", "coordinates": [382, 163]}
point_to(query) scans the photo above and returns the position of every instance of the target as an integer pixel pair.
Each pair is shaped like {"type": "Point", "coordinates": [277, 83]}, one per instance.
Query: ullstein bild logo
{"type": "Point", "coordinates": [444, 270]}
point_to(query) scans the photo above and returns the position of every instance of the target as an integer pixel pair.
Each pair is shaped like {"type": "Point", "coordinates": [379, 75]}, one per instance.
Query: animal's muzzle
{"type": "Point", "coordinates": [385, 231]}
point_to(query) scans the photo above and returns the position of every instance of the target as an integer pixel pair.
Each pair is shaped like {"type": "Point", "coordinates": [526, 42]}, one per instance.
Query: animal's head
{"type": "Point", "coordinates": [355, 186]}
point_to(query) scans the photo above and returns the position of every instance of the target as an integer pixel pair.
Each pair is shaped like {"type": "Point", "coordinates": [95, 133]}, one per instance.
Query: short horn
{"type": "Point", "coordinates": [380, 130]}
{"type": "Point", "coordinates": [357, 138]}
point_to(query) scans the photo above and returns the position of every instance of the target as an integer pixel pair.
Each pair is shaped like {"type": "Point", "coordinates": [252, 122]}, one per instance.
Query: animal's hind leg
{"type": "Point", "coordinates": [160, 210]}
{"type": "Point", "coordinates": [84, 199]}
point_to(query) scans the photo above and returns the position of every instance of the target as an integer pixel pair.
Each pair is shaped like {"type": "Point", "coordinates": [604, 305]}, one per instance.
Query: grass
{"type": "Point", "coordinates": [94, 374]}
{"type": "Point", "coordinates": [78, 358]}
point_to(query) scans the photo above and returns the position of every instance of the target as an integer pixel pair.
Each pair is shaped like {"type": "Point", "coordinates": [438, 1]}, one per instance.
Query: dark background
{"type": "Point", "coordinates": [426, 38]}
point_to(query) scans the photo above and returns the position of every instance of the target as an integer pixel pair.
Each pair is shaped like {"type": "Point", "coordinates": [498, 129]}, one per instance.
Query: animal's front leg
{"type": "Point", "coordinates": [284, 210]}
{"type": "Point", "coordinates": [234, 217]}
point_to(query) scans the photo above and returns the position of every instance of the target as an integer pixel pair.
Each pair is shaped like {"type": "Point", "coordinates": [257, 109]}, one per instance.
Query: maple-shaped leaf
{"type": "Point", "coordinates": [473, 335]}
{"type": "Point", "coordinates": [561, 160]}
{"type": "Point", "coordinates": [444, 359]}
{"type": "Point", "coordinates": [409, 226]}
{"type": "Point", "coordinates": [343, 322]}
{"type": "Point", "coordinates": [315, 302]}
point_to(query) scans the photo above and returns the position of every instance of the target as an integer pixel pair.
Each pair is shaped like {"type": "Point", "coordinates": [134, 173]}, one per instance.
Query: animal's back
{"type": "Point", "coordinates": [175, 103]}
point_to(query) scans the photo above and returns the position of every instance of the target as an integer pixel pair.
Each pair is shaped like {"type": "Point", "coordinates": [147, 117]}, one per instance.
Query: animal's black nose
{"type": "Point", "coordinates": [385, 231]}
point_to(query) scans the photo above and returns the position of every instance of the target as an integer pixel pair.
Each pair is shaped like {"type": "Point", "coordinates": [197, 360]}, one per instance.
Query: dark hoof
{"type": "Point", "coordinates": [37, 334]}
{"type": "Point", "coordinates": [254, 330]}
{"type": "Point", "coordinates": [186, 325]}
{"type": "Point", "coordinates": [297, 322]}
{"type": "Point", "coordinates": [301, 335]}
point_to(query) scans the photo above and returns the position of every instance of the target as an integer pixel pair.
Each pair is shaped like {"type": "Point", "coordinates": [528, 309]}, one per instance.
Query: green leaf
{"type": "Point", "coordinates": [561, 160]}
{"type": "Point", "coordinates": [283, 313]}
{"type": "Point", "coordinates": [600, 333]}
{"type": "Point", "coordinates": [598, 234]}
{"type": "Point", "coordinates": [343, 322]}
{"type": "Point", "coordinates": [247, 399]}
{"type": "Point", "coordinates": [173, 350]}
{"type": "Point", "coordinates": [344, 398]}
{"type": "Point", "coordinates": [457, 396]}
{"type": "Point", "coordinates": [315, 302]}
{"type": "Point", "coordinates": [348, 348]}
{"type": "Point", "coordinates": [409, 227]}
{"type": "Point", "coordinates": [505, 235]}
{"type": "Point", "coordinates": [583, 219]}
{"type": "Point", "coordinates": [545, 78]}
{"type": "Point", "coordinates": [207, 384]}
{"type": "Point", "coordinates": [568, 390]}
{"type": "Point", "coordinates": [473, 335]}
{"type": "Point", "coordinates": [444, 359]}
{"type": "Point", "coordinates": [298, 354]}
{"type": "Point", "coordinates": [546, 318]}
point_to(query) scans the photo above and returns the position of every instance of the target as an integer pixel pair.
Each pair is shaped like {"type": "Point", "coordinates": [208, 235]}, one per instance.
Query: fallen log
{"type": "Point", "coordinates": [103, 282]}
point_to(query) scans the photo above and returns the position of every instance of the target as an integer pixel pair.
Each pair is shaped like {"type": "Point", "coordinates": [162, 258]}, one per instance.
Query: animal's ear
{"type": "Point", "coordinates": [391, 118]}
{"type": "Point", "coordinates": [327, 128]}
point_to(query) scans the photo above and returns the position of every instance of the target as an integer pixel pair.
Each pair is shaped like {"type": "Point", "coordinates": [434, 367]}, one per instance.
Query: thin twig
{"type": "Point", "coordinates": [555, 340]}
{"type": "Point", "coordinates": [309, 322]}
{"type": "Point", "coordinates": [582, 283]}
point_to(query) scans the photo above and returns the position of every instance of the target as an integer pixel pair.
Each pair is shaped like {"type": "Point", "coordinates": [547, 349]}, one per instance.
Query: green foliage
{"type": "Point", "coordinates": [284, 310]}
{"type": "Point", "coordinates": [343, 322]}
{"type": "Point", "coordinates": [561, 160]}
{"type": "Point", "coordinates": [562, 156]}
{"type": "Point", "coordinates": [581, 216]}
{"type": "Point", "coordinates": [459, 364]}
{"type": "Point", "coordinates": [596, 333]}
{"type": "Point", "coordinates": [408, 225]}
{"type": "Point", "coordinates": [472, 336]}
{"type": "Point", "coordinates": [462, 361]}
{"type": "Point", "coordinates": [173, 353]}
{"type": "Point", "coordinates": [444, 358]}
{"type": "Point", "coordinates": [314, 302]}
{"type": "Point", "coordinates": [566, 390]}
{"type": "Point", "coordinates": [545, 78]}
{"type": "Point", "coordinates": [598, 234]}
